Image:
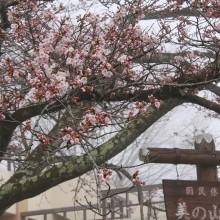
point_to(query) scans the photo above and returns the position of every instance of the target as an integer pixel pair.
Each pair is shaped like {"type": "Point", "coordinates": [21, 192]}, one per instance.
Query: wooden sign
{"type": "Point", "coordinates": [191, 200]}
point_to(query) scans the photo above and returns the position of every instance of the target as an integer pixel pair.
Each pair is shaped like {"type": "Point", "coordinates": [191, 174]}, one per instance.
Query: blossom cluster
{"type": "Point", "coordinates": [69, 134]}
{"type": "Point", "coordinates": [155, 102]}
{"type": "Point", "coordinates": [26, 125]}
{"type": "Point", "coordinates": [44, 139]}
{"type": "Point", "coordinates": [142, 107]}
{"type": "Point", "coordinates": [104, 175]}
{"type": "Point", "coordinates": [95, 118]}
{"type": "Point", "coordinates": [136, 178]}
{"type": "Point", "coordinates": [61, 56]}
{"type": "Point", "coordinates": [92, 119]}
{"type": "Point", "coordinates": [2, 117]}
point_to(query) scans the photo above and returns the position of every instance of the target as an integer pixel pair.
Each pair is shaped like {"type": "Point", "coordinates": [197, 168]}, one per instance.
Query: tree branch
{"type": "Point", "coordinates": [213, 88]}
{"type": "Point", "coordinates": [202, 102]}
{"type": "Point", "coordinates": [170, 14]}
{"type": "Point", "coordinates": [15, 190]}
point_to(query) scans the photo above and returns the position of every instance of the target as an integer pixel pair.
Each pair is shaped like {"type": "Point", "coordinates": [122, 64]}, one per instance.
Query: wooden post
{"type": "Point", "coordinates": [104, 209]}
{"type": "Point", "coordinates": [64, 215]}
{"type": "Point", "coordinates": [112, 208]}
{"type": "Point", "coordinates": [9, 165]}
{"type": "Point", "coordinates": [121, 209]}
{"type": "Point", "coordinates": [206, 172]}
{"type": "Point", "coordinates": [127, 206]}
{"type": "Point", "coordinates": [149, 207]}
{"type": "Point", "coordinates": [205, 157]}
{"type": "Point", "coordinates": [45, 216]}
{"type": "Point", "coordinates": [181, 156]}
{"type": "Point", "coordinates": [84, 214]}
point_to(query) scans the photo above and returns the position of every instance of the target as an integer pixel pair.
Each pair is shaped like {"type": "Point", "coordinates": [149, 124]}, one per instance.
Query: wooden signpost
{"type": "Point", "coordinates": [186, 200]}
{"type": "Point", "coordinates": [192, 200]}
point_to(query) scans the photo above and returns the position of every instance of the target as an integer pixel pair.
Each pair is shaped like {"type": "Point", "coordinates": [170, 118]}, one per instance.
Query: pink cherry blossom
{"type": "Point", "coordinates": [104, 175]}
{"type": "Point", "coordinates": [2, 117]}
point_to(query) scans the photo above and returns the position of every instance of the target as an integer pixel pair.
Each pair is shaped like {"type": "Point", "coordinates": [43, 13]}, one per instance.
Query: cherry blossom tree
{"type": "Point", "coordinates": [76, 91]}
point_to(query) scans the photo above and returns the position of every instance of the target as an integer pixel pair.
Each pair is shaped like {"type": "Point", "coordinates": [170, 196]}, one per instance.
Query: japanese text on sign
{"type": "Point", "coordinates": [187, 200]}
{"type": "Point", "coordinates": [213, 191]}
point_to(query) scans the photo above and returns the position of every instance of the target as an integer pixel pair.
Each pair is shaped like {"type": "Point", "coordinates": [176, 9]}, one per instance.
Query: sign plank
{"type": "Point", "coordinates": [191, 200]}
